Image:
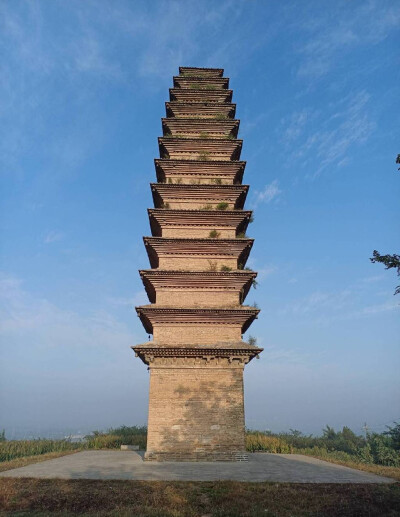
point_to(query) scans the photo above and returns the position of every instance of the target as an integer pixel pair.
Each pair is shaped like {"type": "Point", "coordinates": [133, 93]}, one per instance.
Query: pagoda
{"type": "Point", "coordinates": [198, 282]}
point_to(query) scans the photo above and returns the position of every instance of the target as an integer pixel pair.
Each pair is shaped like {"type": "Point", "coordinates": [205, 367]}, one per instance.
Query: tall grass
{"type": "Point", "coordinates": [112, 439]}
{"type": "Point", "coordinates": [256, 442]}
{"type": "Point", "coordinates": [10, 450]}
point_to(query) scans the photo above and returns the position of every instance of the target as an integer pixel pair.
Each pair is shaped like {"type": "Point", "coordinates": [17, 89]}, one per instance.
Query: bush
{"type": "Point", "coordinates": [222, 206]}
{"type": "Point", "coordinates": [114, 438]}
{"type": "Point", "coordinates": [256, 441]}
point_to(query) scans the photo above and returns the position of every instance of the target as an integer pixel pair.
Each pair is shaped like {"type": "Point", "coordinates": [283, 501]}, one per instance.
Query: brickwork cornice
{"type": "Point", "coordinates": [162, 218]}
{"type": "Point", "coordinates": [154, 279]}
{"type": "Point", "coordinates": [151, 315]}
{"type": "Point", "coordinates": [181, 126]}
{"type": "Point", "coordinates": [217, 147]}
{"type": "Point", "coordinates": [182, 81]}
{"type": "Point", "coordinates": [199, 108]}
{"type": "Point", "coordinates": [237, 248]}
{"type": "Point", "coordinates": [200, 71]}
{"type": "Point", "coordinates": [196, 356]}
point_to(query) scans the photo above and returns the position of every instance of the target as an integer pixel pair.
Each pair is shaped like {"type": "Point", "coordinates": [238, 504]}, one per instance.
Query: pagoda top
{"type": "Point", "coordinates": [201, 72]}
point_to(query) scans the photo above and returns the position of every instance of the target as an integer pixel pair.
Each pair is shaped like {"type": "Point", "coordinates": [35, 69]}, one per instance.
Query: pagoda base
{"type": "Point", "coordinates": [196, 456]}
{"type": "Point", "coordinates": [196, 405]}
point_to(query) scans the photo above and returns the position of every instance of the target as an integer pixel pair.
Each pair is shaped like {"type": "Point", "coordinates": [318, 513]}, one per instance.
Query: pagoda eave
{"type": "Point", "coordinates": [154, 279]}
{"type": "Point", "coordinates": [221, 83]}
{"type": "Point", "coordinates": [186, 71]}
{"type": "Point", "coordinates": [147, 352]}
{"type": "Point", "coordinates": [150, 315]}
{"type": "Point", "coordinates": [200, 109]}
{"type": "Point", "coordinates": [161, 218]}
{"type": "Point", "coordinates": [188, 94]}
{"type": "Point", "coordinates": [185, 247]}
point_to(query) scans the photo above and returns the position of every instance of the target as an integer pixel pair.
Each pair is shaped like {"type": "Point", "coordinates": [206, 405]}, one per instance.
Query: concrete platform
{"type": "Point", "coordinates": [288, 468]}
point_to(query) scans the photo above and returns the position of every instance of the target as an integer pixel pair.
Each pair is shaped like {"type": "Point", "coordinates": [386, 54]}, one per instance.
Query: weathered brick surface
{"type": "Point", "coordinates": [203, 334]}
{"type": "Point", "coordinates": [198, 232]}
{"type": "Point", "coordinates": [191, 204]}
{"type": "Point", "coordinates": [192, 263]}
{"type": "Point", "coordinates": [198, 179]}
{"type": "Point", "coordinates": [197, 298]}
{"type": "Point", "coordinates": [195, 413]}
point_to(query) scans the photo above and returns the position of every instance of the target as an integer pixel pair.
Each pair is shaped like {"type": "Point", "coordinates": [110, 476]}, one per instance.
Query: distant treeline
{"type": "Point", "coordinates": [345, 445]}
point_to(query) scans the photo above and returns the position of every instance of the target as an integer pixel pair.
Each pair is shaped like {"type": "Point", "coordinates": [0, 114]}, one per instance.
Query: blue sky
{"type": "Point", "coordinates": [82, 91]}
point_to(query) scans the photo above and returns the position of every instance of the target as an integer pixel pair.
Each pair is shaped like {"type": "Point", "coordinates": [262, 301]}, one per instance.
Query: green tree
{"type": "Point", "coordinates": [394, 433]}
{"type": "Point", "coordinates": [390, 261]}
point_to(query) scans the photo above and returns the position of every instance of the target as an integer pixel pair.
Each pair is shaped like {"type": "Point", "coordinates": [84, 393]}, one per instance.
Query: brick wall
{"type": "Point", "coordinates": [193, 263]}
{"type": "Point", "coordinates": [197, 298]}
{"type": "Point", "coordinates": [195, 413]}
{"type": "Point", "coordinates": [202, 334]}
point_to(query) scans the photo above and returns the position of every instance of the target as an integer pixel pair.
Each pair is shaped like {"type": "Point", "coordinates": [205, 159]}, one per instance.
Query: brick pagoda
{"type": "Point", "coordinates": [197, 282]}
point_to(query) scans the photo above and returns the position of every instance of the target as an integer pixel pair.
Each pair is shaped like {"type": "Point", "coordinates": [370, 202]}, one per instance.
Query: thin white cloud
{"type": "Point", "coordinates": [269, 193]}
{"type": "Point", "coordinates": [323, 140]}
{"type": "Point", "coordinates": [52, 236]}
{"type": "Point", "coordinates": [327, 42]}
{"type": "Point", "coordinates": [28, 320]}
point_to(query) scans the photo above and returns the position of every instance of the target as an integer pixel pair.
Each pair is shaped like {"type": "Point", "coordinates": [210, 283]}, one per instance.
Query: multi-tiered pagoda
{"type": "Point", "coordinates": [198, 281]}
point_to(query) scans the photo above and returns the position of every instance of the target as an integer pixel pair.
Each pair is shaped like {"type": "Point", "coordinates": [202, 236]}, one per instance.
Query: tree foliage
{"type": "Point", "coordinates": [390, 261]}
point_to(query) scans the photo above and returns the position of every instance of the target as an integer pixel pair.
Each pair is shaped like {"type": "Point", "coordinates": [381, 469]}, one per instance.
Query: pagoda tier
{"type": "Point", "coordinates": [237, 353]}
{"type": "Point", "coordinates": [196, 325]}
{"type": "Point", "coordinates": [197, 171]}
{"type": "Point", "coordinates": [193, 95]}
{"type": "Point", "coordinates": [194, 72]}
{"type": "Point", "coordinates": [227, 224]}
{"type": "Point", "coordinates": [197, 254]}
{"type": "Point", "coordinates": [200, 83]}
{"type": "Point", "coordinates": [202, 110]}
{"type": "Point", "coordinates": [200, 148]}
{"type": "Point", "coordinates": [202, 197]}
{"type": "Point", "coordinates": [200, 128]}
{"type": "Point", "coordinates": [197, 282]}
{"type": "Point", "coordinates": [205, 289]}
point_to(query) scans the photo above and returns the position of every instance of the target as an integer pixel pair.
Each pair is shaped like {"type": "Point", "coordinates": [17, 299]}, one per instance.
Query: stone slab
{"type": "Point", "coordinates": [287, 468]}
{"type": "Point", "coordinates": [129, 447]}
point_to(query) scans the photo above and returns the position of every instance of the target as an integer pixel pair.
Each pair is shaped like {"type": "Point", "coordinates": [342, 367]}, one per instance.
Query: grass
{"type": "Point", "coordinates": [332, 457]}
{"type": "Point", "coordinates": [204, 156]}
{"type": "Point", "coordinates": [226, 268]}
{"type": "Point", "coordinates": [221, 116]}
{"type": "Point", "coordinates": [194, 499]}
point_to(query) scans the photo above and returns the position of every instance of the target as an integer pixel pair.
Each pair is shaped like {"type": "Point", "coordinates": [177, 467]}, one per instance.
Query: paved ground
{"type": "Point", "coordinates": [293, 468]}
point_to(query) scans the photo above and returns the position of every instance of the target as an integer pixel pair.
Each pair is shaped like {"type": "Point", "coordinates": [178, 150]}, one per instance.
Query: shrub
{"type": "Point", "coordinates": [204, 156]}
{"type": "Point", "coordinates": [218, 181]}
{"type": "Point", "coordinates": [226, 268]}
{"type": "Point", "coordinates": [214, 234]}
{"type": "Point", "coordinates": [206, 207]}
{"type": "Point", "coordinates": [204, 134]}
{"type": "Point", "coordinates": [212, 266]}
{"type": "Point", "coordinates": [220, 116]}
{"type": "Point", "coordinates": [165, 205]}
{"type": "Point", "coordinates": [241, 235]}
{"type": "Point", "coordinates": [222, 206]}
{"type": "Point", "coordinates": [252, 340]}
